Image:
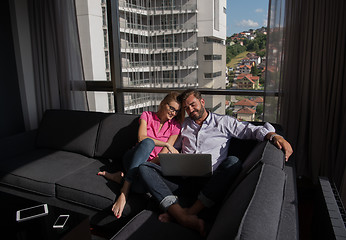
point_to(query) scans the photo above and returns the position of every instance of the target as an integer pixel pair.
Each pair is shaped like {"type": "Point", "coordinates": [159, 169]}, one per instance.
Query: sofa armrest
{"type": "Point", "coordinates": [146, 225]}
{"type": "Point", "coordinates": [17, 144]}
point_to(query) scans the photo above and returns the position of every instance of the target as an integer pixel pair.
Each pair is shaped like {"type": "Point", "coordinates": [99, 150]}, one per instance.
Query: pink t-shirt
{"type": "Point", "coordinates": [169, 128]}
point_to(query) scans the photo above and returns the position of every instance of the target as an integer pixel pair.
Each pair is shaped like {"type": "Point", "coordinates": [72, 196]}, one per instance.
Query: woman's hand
{"type": "Point", "coordinates": [171, 149]}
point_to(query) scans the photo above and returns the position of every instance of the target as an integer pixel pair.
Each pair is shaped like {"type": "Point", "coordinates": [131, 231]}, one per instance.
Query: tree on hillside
{"type": "Point", "coordinates": [261, 53]}
{"type": "Point", "coordinates": [254, 71]}
{"type": "Point", "coordinates": [234, 50]}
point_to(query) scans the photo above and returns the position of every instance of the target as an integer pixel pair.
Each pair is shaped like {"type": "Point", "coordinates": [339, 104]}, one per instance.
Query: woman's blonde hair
{"type": "Point", "coordinates": [173, 96]}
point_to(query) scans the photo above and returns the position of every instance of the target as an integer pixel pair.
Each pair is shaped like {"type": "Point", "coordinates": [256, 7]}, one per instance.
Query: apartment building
{"type": "Point", "coordinates": [164, 44]}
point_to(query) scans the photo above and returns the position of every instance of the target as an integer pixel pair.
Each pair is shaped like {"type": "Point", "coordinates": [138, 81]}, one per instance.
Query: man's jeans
{"type": "Point", "coordinates": [135, 157]}
{"type": "Point", "coordinates": [212, 189]}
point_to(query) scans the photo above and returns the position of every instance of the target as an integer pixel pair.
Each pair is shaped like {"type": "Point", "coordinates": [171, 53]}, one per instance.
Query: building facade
{"type": "Point", "coordinates": [164, 44]}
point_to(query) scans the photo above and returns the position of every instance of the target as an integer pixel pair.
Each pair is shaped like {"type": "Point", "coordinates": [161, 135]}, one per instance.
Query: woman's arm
{"type": "Point", "coordinates": [171, 149]}
{"type": "Point", "coordinates": [142, 134]}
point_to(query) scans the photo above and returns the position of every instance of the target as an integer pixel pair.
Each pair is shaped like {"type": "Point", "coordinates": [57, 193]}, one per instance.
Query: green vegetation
{"type": "Point", "coordinates": [235, 60]}
{"type": "Point", "coordinates": [233, 51]}
{"type": "Point", "coordinates": [257, 45]}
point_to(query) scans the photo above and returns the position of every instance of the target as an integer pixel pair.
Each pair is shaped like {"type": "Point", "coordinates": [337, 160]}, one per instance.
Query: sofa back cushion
{"type": "Point", "coordinates": [118, 133]}
{"type": "Point", "coordinates": [242, 147]}
{"type": "Point", "coordinates": [68, 130]}
{"type": "Point", "coordinates": [253, 210]}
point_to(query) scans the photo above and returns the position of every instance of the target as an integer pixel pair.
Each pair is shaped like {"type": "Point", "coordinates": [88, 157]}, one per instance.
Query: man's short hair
{"type": "Point", "coordinates": [184, 95]}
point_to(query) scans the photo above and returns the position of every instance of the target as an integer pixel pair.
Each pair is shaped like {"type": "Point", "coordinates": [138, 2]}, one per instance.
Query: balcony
{"type": "Point", "coordinates": [153, 10]}
{"type": "Point", "coordinates": [157, 29]}
{"type": "Point", "coordinates": [146, 47]}
{"type": "Point", "coordinates": [161, 82]}
{"type": "Point", "coordinates": [159, 65]}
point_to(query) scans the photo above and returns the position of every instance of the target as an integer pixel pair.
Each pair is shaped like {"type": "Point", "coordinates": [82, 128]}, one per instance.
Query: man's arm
{"type": "Point", "coordinates": [280, 143]}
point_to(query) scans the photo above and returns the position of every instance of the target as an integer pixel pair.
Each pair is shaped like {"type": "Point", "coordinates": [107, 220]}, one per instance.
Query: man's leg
{"type": "Point", "coordinates": [159, 187]}
{"type": "Point", "coordinates": [216, 187]}
{"type": "Point", "coordinates": [163, 190]}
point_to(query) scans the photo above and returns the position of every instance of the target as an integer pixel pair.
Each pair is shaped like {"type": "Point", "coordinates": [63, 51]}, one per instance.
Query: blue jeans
{"type": "Point", "coordinates": [211, 189]}
{"type": "Point", "coordinates": [135, 157]}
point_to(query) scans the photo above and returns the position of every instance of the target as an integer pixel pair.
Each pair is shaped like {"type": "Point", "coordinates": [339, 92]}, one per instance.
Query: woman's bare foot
{"type": "Point", "coordinates": [119, 205]}
{"type": "Point", "coordinates": [116, 177]}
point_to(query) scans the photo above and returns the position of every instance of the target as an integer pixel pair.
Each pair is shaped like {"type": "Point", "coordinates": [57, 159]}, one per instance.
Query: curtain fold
{"type": "Point", "coordinates": [313, 102]}
{"type": "Point", "coordinates": [57, 58]}
{"type": "Point", "coordinates": [274, 51]}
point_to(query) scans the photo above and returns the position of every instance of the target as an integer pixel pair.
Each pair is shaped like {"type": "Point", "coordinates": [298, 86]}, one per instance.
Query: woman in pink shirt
{"type": "Point", "coordinates": [157, 133]}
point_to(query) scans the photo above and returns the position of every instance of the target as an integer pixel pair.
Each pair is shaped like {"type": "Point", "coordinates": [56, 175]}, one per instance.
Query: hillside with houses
{"type": "Point", "coordinates": [246, 70]}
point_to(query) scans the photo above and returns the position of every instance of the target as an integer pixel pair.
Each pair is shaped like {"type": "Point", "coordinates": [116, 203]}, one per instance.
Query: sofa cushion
{"type": "Point", "coordinates": [118, 133]}
{"type": "Point", "coordinates": [39, 170]}
{"type": "Point", "coordinates": [73, 131]}
{"type": "Point", "coordinates": [253, 210]}
{"type": "Point", "coordinates": [85, 187]}
{"type": "Point", "coordinates": [273, 156]}
{"type": "Point", "coordinates": [288, 226]}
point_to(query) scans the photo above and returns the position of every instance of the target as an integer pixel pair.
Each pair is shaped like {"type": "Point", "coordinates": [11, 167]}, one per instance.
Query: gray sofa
{"type": "Point", "coordinates": [261, 204]}
{"type": "Point", "coordinates": [58, 164]}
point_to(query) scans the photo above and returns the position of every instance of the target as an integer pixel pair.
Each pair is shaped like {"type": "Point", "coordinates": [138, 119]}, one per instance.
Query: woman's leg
{"type": "Point", "coordinates": [136, 156]}
{"type": "Point", "coordinates": [131, 160]}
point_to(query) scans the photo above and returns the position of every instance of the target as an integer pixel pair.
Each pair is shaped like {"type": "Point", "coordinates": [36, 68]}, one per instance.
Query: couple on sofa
{"type": "Point", "coordinates": [201, 132]}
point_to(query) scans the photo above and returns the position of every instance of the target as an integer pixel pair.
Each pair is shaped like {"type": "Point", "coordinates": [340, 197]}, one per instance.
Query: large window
{"type": "Point", "coordinates": [136, 52]}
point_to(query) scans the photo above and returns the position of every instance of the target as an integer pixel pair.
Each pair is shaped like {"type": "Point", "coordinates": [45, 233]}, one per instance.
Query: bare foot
{"type": "Point", "coordinates": [193, 222]}
{"type": "Point", "coordinates": [165, 217]}
{"type": "Point", "coordinates": [116, 177]}
{"type": "Point", "coordinates": [119, 205]}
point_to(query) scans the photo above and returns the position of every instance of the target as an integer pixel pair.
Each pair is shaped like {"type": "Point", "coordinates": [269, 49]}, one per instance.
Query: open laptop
{"type": "Point", "coordinates": [180, 164]}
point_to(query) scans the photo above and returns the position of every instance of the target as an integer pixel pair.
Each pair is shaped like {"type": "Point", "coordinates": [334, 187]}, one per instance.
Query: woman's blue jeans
{"type": "Point", "coordinates": [135, 157]}
{"type": "Point", "coordinates": [211, 189]}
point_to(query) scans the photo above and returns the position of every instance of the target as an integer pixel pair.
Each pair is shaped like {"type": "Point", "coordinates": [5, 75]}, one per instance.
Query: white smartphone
{"type": "Point", "coordinates": [61, 221]}
{"type": "Point", "coordinates": [32, 212]}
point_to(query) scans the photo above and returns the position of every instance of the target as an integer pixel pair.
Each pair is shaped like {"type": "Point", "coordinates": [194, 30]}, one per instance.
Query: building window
{"type": "Point", "coordinates": [216, 15]}
{"type": "Point", "coordinates": [212, 75]}
{"type": "Point", "coordinates": [212, 57]}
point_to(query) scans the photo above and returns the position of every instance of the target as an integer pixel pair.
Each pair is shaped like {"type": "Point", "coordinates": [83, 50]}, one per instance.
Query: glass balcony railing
{"type": "Point", "coordinates": [161, 27]}
{"type": "Point", "coordinates": [183, 63]}
{"type": "Point", "coordinates": [154, 46]}
{"type": "Point", "coordinates": [185, 7]}
{"type": "Point", "coordinates": [167, 82]}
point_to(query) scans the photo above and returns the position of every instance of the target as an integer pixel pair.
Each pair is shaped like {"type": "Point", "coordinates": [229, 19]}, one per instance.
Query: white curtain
{"type": "Point", "coordinates": [313, 88]}
{"type": "Point", "coordinates": [274, 59]}
{"type": "Point", "coordinates": [56, 56]}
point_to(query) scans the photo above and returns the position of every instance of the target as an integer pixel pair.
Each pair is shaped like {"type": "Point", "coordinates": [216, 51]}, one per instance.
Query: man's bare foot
{"type": "Point", "coordinates": [116, 177]}
{"type": "Point", "coordinates": [165, 217]}
{"type": "Point", "coordinates": [193, 222]}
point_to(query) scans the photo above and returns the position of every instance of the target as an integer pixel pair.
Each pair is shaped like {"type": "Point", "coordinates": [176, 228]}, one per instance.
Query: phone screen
{"type": "Point", "coordinates": [60, 222]}
{"type": "Point", "coordinates": [32, 211]}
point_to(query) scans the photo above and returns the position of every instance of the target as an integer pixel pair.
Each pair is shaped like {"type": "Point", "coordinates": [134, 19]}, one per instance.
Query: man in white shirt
{"type": "Point", "coordinates": [205, 132]}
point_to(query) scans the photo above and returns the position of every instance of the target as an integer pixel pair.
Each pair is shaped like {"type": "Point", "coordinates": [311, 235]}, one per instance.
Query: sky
{"type": "Point", "coordinates": [245, 15]}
